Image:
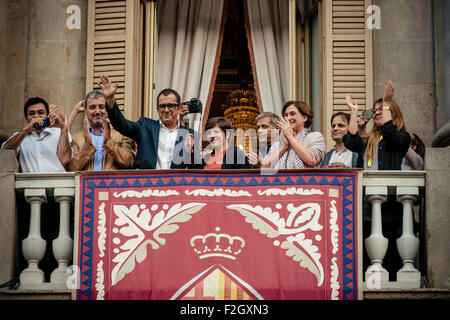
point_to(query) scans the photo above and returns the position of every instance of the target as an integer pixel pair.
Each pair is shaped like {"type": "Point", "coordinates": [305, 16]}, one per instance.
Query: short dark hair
{"type": "Point", "coordinates": [221, 122]}
{"type": "Point", "coordinates": [32, 101]}
{"type": "Point", "coordinates": [93, 95]}
{"type": "Point", "coordinates": [168, 91]}
{"type": "Point", "coordinates": [302, 107]}
{"type": "Point", "coordinates": [340, 114]}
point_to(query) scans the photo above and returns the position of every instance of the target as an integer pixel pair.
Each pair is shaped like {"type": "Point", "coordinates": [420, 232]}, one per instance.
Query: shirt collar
{"type": "Point", "coordinates": [343, 151]}
{"type": "Point", "coordinates": [163, 126]}
{"type": "Point", "coordinates": [93, 132]}
{"type": "Point", "coordinates": [45, 132]}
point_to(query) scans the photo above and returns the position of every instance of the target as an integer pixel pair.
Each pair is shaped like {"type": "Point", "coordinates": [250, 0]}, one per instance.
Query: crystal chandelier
{"type": "Point", "coordinates": [241, 110]}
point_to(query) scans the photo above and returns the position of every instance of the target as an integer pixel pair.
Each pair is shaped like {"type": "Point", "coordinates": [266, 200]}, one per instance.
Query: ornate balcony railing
{"type": "Point", "coordinates": [36, 189]}
{"type": "Point", "coordinates": [406, 187]}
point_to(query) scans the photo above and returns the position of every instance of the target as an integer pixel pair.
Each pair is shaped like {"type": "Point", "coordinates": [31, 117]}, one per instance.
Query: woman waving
{"type": "Point", "coordinates": [387, 143]}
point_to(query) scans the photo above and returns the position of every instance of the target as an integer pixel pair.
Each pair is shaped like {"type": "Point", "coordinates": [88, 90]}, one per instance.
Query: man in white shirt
{"type": "Point", "coordinates": [160, 142]}
{"type": "Point", "coordinates": [339, 156]}
{"type": "Point", "coordinates": [41, 148]}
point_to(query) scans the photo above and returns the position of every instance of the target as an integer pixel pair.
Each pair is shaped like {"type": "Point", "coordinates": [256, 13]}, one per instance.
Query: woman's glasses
{"type": "Point", "coordinates": [380, 108]}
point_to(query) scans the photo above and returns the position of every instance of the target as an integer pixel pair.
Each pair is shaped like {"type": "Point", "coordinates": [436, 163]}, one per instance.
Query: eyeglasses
{"type": "Point", "coordinates": [171, 106]}
{"type": "Point", "coordinates": [380, 108]}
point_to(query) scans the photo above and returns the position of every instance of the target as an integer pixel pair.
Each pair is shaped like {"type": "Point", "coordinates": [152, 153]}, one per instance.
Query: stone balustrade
{"type": "Point", "coordinates": [407, 186]}
{"type": "Point", "coordinates": [37, 188]}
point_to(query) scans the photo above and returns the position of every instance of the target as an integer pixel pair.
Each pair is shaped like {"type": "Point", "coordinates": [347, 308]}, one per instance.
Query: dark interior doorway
{"type": "Point", "coordinates": [235, 68]}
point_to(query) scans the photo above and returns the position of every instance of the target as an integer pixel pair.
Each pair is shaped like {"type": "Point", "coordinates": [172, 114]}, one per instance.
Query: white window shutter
{"type": "Point", "coordinates": [348, 57]}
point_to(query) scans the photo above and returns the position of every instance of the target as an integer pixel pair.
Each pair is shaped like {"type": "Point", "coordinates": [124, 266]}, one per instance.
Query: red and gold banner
{"type": "Point", "coordinates": [218, 235]}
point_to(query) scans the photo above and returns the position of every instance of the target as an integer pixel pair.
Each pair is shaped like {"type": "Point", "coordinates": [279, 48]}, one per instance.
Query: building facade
{"type": "Point", "coordinates": [58, 49]}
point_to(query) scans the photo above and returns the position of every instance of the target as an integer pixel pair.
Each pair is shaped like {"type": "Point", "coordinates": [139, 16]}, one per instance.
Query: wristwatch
{"type": "Point", "coordinates": [386, 108]}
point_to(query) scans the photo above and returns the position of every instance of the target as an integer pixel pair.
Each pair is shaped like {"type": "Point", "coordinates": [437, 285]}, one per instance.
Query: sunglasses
{"type": "Point", "coordinates": [380, 108]}
{"type": "Point", "coordinates": [170, 106]}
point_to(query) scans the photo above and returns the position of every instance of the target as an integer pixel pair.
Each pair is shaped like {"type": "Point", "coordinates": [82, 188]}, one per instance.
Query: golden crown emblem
{"type": "Point", "coordinates": [217, 245]}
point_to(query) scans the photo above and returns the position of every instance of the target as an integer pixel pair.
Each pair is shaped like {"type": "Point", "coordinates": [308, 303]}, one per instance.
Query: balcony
{"type": "Point", "coordinates": [407, 187]}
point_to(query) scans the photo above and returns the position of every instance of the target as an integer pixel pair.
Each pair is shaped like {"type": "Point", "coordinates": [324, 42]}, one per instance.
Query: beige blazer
{"type": "Point", "coordinates": [118, 153]}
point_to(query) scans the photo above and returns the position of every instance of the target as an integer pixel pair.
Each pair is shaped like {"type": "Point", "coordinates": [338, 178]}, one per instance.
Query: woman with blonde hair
{"type": "Point", "coordinates": [387, 143]}
{"type": "Point", "coordinates": [383, 148]}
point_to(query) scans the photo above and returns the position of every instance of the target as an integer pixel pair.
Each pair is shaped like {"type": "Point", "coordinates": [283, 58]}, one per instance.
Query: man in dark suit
{"type": "Point", "coordinates": [160, 142]}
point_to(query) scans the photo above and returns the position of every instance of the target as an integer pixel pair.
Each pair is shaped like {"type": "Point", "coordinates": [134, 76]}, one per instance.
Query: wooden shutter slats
{"type": "Point", "coordinates": [349, 2]}
{"type": "Point", "coordinates": [110, 50]}
{"type": "Point", "coordinates": [100, 4]}
{"type": "Point", "coordinates": [114, 56]}
{"type": "Point", "coordinates": [110, 21]}
{"type": "Point", "coordinates": [99, 11]}
{"type": "Point", "coordinates": [110, 46]}
{"type": "Point", "coordinates": [113, 67]}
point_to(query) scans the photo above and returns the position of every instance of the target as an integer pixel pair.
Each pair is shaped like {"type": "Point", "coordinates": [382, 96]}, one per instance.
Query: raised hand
{"type": "Point", "coordinates": [108, 89]}
{"type": "Point", "coordinates": [184, 110]}
{"type": "Point", "coordinates": [86, 133]}
{"type": "Point", "coordinates": [389, 94]}
{"type": "Point", "coordinates": [79, 107]}
{"type": "Point", "coordinates": [57, 120]}
{"type": "Point", "coordinates": [106, 130]}
{"type": "Point", "coordinates": [350, 104]}
{"type": "Point", "coordinates": [189, 143]}
{"type": "Point", "coordinates": [33, 124]}
{"type": "Point", "coordinates": [286, 129]}
{"type": "Point", "coordinates": [254, 159]}
{"type": "Point", "coordinates": [52, 113]}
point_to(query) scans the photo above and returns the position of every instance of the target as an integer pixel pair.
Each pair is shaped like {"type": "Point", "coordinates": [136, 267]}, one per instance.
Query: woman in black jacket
{"type": "Point", "coordinates": [383, 148]}
{"type": "Point", "coordinates": [223, 155]}
{"type": "Point", "coordinates": [387, 143]}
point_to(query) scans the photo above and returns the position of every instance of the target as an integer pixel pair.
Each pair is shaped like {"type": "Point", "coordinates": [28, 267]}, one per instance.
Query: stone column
{"type": "Point", "coordinates": [437, 235]}
{"type": "Point", "coordinates": [33, 246]}
{"type": "Point", "coordinates": [403, 53]}
{"type": "Point", "coordinates": [408, 244]}
{"type": "Point", "coordinates": [63, 245]}
{"type": "Point", "coordinates": [56, 55]}
{"type": "Point", "coordinates": [376, 243]}
{"type": "Point", "coordinates": [8, 220]}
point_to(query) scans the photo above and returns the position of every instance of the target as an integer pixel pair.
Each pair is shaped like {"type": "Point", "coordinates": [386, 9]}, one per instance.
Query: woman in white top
{"type": "Point", "coordinates": [299, 147]}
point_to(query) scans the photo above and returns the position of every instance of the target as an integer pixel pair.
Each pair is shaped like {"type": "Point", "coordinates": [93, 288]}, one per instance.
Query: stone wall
{"type": "Point", "coordinates": [437, 236]}
{"type": "Point", "coordinates": [40, 56]}
{"type": "Point", "coordinates": [441, 26]}
{"type": "Point", "coordinates": [8, 220]}
{"type": "Point", "coordinates": [403, 53]}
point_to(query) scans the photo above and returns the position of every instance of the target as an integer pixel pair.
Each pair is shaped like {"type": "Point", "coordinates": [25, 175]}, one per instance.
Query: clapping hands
{"type": "Point", "coordinates": [57, 120]}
